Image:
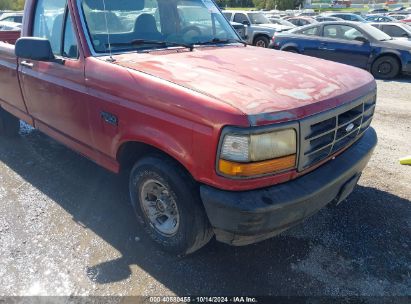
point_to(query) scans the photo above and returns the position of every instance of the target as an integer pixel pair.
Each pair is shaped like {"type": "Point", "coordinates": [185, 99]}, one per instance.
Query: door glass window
{"type": "Point", "coordinates": [228, 16]}
{"type": "Point", "coordinates": [294, 21]}
{"type": "Point", "coordinates": [70, 48]}
{"type": "Point", "coordinates": [258, 18]}
{"type": "Point", "coordinates": [342, 32]}
{"type": "Point", "coordinates": [48, 22]}
{"type": "Point", "coordinates": [313, 31]}
{"type": "Point", "coordinates": [240, 18]}
{"type": "Point", "coordinates": [394, 31]}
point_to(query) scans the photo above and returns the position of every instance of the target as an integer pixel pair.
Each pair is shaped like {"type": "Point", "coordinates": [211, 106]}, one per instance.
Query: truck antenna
{"type": "Point", "coordinates": [111, 59]}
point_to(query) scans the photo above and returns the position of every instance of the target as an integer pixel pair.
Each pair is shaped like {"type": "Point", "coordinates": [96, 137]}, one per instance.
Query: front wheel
{"type": "Point", "coordinates": [385, 67]}
{"type": "Point", "coordinates": [9, 125]}
{"type": "Point", "coordinates": [261, 42]}
{"type": "Point", "coordinates": [167, 202]}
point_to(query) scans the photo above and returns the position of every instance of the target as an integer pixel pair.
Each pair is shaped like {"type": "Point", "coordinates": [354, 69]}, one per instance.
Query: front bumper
{"type": "Point", "coordinates": [241, 218]}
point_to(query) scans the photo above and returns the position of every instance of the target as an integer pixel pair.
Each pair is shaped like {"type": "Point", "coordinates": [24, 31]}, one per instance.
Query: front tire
{"type": "Point", "coordinates": [9, 124]}
{"type": "Point", "coordinates": [261, 41]}
{"type": "Point", "coordinates": [385, 67]}
{"type": "Point", "coordinates": [167, 202]}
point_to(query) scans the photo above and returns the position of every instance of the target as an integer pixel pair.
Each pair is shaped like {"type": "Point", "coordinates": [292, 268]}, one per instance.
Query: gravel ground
{"type": "Point", "coordinates": [66, 228]}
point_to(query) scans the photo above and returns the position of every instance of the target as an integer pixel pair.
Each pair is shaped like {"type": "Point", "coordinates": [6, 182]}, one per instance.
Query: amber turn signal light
{"type": "Point", "coordinates": [257, 168]}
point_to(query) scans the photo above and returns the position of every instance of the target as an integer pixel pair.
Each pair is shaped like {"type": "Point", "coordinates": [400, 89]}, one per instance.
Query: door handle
{"type": "Point", "coordinates": [27, 64]}
{"type": "Point", "coordinates": [324, 47]}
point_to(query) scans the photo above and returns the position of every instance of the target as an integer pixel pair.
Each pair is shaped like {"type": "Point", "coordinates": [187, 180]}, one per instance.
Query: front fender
{"type": "Point", "coordinates": [384, 52]}
{"type": "Point", "coordinates": [265, 33]}
{"type": "Point", "coordinates": [172, 138]}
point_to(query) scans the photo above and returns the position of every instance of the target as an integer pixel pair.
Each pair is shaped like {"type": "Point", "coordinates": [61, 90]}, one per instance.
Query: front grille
{"type": "Point", "coordinates": [324, 134]}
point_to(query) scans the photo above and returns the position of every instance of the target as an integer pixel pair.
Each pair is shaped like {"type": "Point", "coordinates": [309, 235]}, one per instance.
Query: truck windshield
{"type": "Point", "coordinates": [174, 22]}
{"type": "Point", "coordinates": [258, 18]}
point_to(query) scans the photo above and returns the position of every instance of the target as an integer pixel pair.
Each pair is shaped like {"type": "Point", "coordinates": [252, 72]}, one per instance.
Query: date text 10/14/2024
{"type": "Point", "coordinates": [203, 300]}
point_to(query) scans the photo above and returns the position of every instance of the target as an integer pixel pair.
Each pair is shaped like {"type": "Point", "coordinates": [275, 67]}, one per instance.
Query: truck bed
{"type": "Point", "coordinates": [9, 36]}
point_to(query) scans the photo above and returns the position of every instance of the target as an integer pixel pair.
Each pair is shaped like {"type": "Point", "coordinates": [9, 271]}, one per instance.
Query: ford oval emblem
{"type": "Point", "coordinates": [350, 127]}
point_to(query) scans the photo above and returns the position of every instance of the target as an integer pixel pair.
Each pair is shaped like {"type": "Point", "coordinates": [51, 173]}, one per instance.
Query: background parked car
{"type": "Point", "coordinates": [348, 17]}
{"type": "Point", "coordinates": [285, 25]}
{"type": "Point", "coordinates": [282, 22]}
{"type": "Point", "coordinates": [398, 17]}
{"type": "Point", "coordinates": [16, 17]}
{"type": "Point", "coordinates": [301, 21]}
{"type": "Point", "coordinates": [395, 30]}
{"type": "Point", "coordinates": [354, 43]}
{"type": "Point", "coordinates": [321, 18]}
{"type": "Point", "coordinates": [407, 19]}
{"type": "Point", "coordinates": [307, 12]}
{"type": "Point", "coordinates": [9, 26]}
{"type": "Point", "coordinates": [378, 11]}
{"type": "Point", "coordinates": [380, 18]}
{"type": "Point", "coordinates": [259, 29]}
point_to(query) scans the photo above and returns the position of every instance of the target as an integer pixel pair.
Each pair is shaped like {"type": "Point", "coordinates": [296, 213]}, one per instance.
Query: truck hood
{"type": "Point", "coordinates": [281, 28]}
{"type": "Point", "coordinates": [271, 85]}
{"type": "Point", "coordinates": [270, 27]}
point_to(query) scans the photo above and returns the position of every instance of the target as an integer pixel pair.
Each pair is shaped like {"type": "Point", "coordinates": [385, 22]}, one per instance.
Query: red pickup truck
{"type": "Point", "coordinates": [219, 138]}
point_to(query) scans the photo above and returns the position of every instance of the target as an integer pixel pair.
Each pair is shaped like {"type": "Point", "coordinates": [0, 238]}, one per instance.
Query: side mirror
{"type": "Point", "coordinates": [361, 39]}
{"type": "Point", "coordinates": [38, 49]}
{"type": "Point", "coordinates": [246, 23]}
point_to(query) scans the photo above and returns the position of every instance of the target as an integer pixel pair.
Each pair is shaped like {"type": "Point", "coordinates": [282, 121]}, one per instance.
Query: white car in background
{"type": "Point", "coordinates": [9, 26]}
{"type": "Point", "coordinates": [396, 30]}
{"type": "Point", "coordinates": [16, 17]}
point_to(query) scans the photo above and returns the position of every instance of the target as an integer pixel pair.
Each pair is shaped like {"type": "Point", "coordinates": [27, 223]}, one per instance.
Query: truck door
{"type": "Point", "coordinates": [243, 19]}
{"type": "Point", "coordinates": [55, 93]}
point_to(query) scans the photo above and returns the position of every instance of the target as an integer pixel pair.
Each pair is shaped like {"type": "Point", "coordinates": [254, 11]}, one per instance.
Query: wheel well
{"type": "Point", "coordinates": [130, 152]}
{"type": "Point", "coordinates": [388, 55]}
{"type": "Point", "coordinates": [287, 48]}
{"type": "Point", "coordinates": [261, 35]}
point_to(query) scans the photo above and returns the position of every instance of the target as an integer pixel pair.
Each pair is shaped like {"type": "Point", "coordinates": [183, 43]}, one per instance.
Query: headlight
{"type": "Point", "coordinates": [247, 155]}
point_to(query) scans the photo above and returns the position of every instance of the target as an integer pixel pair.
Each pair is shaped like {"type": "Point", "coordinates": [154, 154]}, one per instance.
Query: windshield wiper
{"type": "Point", "coordinates": [221, 41]}
{"type": "Point", "coordinates": [151, 42]}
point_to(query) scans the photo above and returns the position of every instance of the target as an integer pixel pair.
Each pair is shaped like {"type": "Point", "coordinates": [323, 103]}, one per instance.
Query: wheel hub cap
{"type": "Point", "coordinates": [160, 207]}
{"type": "Point", "coordinates": [384, 68]}
{"type": "Point", "coordinates": [260, 43]}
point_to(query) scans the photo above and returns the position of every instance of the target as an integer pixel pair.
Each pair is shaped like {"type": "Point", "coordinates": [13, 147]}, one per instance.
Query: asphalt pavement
{"type": "Point", "coordinates": [67, 228]}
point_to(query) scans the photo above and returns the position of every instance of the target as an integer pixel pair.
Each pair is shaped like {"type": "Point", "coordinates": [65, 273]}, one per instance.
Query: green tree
{"type": "Point", "coordinates": [278, 4]}
{"type": "Point", "coordinates": [235, 3]}
{"type": "Point", "coordinates": [11, 4]}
